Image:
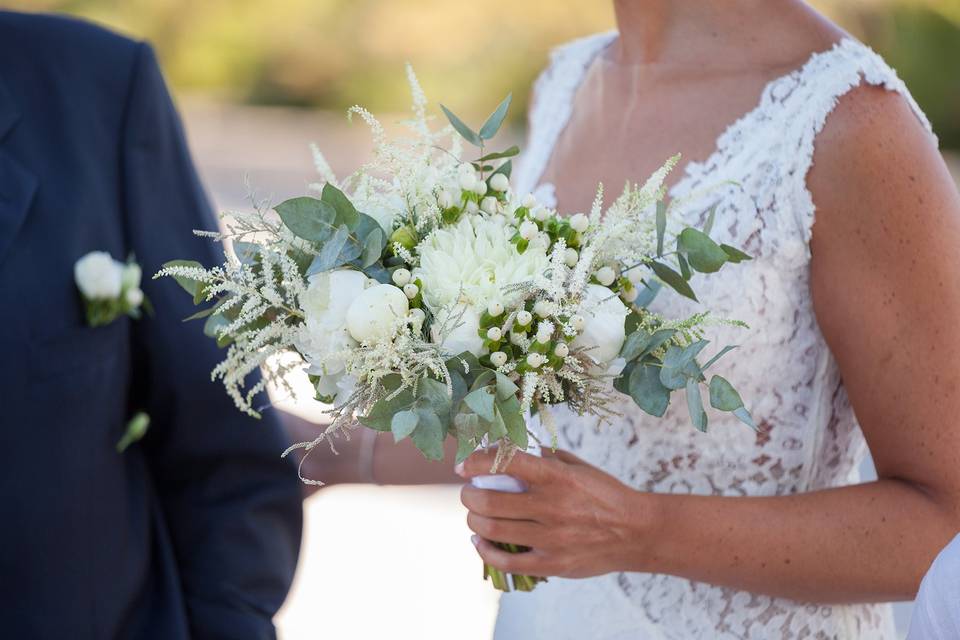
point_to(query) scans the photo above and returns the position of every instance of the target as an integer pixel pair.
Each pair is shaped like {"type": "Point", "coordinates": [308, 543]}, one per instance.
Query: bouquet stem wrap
{"type": "Point", "coordinates": [500, 580]}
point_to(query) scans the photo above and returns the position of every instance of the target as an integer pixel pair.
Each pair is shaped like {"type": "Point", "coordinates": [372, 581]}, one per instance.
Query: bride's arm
{"type": "Point", "coordinates": [367, 457]}
{"type": "Point", "coordinates": [885, 281]}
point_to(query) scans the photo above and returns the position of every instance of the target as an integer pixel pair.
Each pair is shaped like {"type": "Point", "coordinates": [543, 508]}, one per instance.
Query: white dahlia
{"type": "Point", "coordinates": [471, 262]}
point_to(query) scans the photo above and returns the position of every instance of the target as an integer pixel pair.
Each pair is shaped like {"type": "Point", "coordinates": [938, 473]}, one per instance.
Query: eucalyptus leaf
{"type": "Point", "coordinates": [673, 279]}
{"type": "Point", "coordinates": [480, 402]}
{"type": "Point", "coordinates": [498, 427]}
{"type": "Point", "coordinates": [403, 423]}
{"type": "Point", "coordinates": [372, 248]}
{"type": "Point", "coordinates": [727, 349]}
{"type": "Point", "coordinates": [647, 390]}
{"type": "Point", "coordinates": [734, 255]}
{"type": "Point", "coordinates": [332, 253]}
{"type": "Point", "coordinates": [704, 254]}
{"type": "Point", "coordinates": [684, 267]}
{"type": "Point", "coordinates": [382, 412]}
{"type": "Point", "coordinates": [723, 396]}
{"type": "Point", "coordinates": [434, 394]}
{"type": "Point", "coordinates": [346, 212]}
{"type": "Point", "coordinates": [648, 292]}
{"type": "Point", "coordinates": [492, 125]}
{"type": "Point", "coordinates": [509, 409]}
{"type": "Point", "coordinates": [429, 435]}
{"type": "Point", "coordinates": [468, 134]}
{"type": "Point", "coordinates": [505, 387]}
{"type": "Point", "coordinates": [695, 405]}
{"type": "Point", "coordinates": [635, 344]}
{"type": "Point", "coordinates": [213, 325]}
{"type": "Point", "coordinates": [509, 153]}
{"type": "Point", "coordinates": [308, 218]}
{"type": "Point", "coordinates": [744, 416]}
{"type": "Point", "coordinates": [661, 225]}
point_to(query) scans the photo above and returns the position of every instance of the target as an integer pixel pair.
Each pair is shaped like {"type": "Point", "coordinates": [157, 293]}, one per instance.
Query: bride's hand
{"type": "Point", "coordinates": [578, 520]}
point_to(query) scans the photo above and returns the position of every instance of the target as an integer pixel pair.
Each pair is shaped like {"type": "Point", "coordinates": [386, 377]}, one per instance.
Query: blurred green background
{"type": "Point", "coordinates": [333, 53]}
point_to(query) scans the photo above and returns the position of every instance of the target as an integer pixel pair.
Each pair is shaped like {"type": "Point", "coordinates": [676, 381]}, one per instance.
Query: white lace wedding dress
{"type": "Point", "coordinates": [808, 438]}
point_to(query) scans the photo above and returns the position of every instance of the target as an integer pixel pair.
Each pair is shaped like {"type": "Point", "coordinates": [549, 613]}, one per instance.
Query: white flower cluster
{"type": "Point", "coordinates": [109, 288]}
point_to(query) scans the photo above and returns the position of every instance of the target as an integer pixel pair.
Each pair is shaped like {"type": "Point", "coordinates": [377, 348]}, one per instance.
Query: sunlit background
{"type": "Point", "coordinates": [256, 80]}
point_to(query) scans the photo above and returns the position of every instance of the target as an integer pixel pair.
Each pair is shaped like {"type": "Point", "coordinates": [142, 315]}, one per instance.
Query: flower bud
{"type": "Point", "coordinates": [134, 297]}
{"type": "Point", "coordinates": [524, 318]}
{"type": "Point", "coordinates": [605, 276]}
{"type": "Point", "coordinates": [494, 333]}
{"type": "Point", "coordinates": [416, 318]}
{"type": "Point", "coordinates": [499, 182]}
{"type": "Point", "coordinates": [577, 323]}
{"type": "Point", "coordinates": [561, 350]}
{"type": "Point", "coordinates": [541, 308]}
{"type": "Point", "coordinates": [498, 358]}
{"type": "Point", "coordinates": [570, 257]}
{"type": "Point", "coordinates": [489, 205]}
{"type": "Point", "coordinates": [528, 230]}
{"type": "Point", "coordinates": [405, 236]}
{"type": "Point", "coordinates": [445, 199]}
{"type": "Point", "coordinates": [529, 201]}
{"type": "Point", "coordinates": [495, 309]}
{"type": "Point", "coordinates": [401, 277]}
{"type": "Point", "coordinates": [579, 223]}
{"type": "Point", "coordinates": [467, 180]}
{"type": "Point", "coordinates": [411, 290]}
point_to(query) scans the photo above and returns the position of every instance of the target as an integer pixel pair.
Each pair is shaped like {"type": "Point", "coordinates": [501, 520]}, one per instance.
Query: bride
{"type": "Point", "coordinates": [825, 170]}
{"type": "Point", "coordinates": [854, 340]}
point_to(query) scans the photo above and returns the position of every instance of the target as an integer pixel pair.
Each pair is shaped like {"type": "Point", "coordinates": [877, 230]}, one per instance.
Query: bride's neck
{"type": "Point", "coordinates": [662, 31]}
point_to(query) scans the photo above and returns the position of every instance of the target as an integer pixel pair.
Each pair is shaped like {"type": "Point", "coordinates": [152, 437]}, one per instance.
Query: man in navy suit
{"type": "Point", "coordinates": [193, 531]}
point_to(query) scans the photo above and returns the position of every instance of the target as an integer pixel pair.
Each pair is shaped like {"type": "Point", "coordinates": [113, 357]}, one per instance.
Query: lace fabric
{"type": "Point", "coordinates": [808, 437]}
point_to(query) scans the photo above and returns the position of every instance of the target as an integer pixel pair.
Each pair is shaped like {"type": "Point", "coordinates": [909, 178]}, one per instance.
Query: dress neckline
{"type": "Point", "coordinates": [691, 170]}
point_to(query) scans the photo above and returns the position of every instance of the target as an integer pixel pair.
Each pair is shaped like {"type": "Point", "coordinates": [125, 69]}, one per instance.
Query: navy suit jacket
{"type": "Point", "coordinates": [193, 532]}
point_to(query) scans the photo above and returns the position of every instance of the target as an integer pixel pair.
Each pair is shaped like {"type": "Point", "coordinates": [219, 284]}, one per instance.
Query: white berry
{"type": "Point", "coordinates": [471, 207]}
{"type": "Point", "coordinates": [534, 360]}
{"type": "Point", "coordinates": [489, 205]}
{"type": "Point", "coordinates": [541, 213]}
{"type": "Point", "coordinates": [468, 181]}
{"type": "Point", "coordinates": [524, 318]}
{"type": "Point", "coordinates": [561, 350]}
{"type": "Point", "coordinates": [416, 318]}
{"type": "Point", "coordinates": [528, 230]}
{"type": "Point", "coordinates": [579, 222]}
{"type": "Point", "coordinates": [494, 309]}
{"type": "Point", "coordinates": [570, 257]}
{"type": "Point", "coordinates": [499, 182]}
{"type": "Point", "coordinates": [494, 333]}
{"type": "Point", "coordinates": [411, 290]}
{"type": "Point", "coordinates": [541, 308]}
{"type": "Point", "coordinates": [577, 323]}
{"type": "Point", "coordinates": [498, 358]}
{"type": "Point", "coordinates": [605, 276]}
{"type": "Point", "coordinates": [529, 201]}
{"type": "Point", "coordinates": [445, 199]}
{"type": "Point", "coordinates": [401, 277]}
{"type": "Point", "coordinates": [480, 187]}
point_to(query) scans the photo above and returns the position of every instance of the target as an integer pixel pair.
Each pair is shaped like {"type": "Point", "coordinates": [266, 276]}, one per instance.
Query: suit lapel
{"type": "Point", "coordinates": [17, 184]}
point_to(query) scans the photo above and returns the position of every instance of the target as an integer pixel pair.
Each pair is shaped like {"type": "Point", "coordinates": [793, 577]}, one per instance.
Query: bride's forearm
{"type": "Point", "coordinates": [863, 543]}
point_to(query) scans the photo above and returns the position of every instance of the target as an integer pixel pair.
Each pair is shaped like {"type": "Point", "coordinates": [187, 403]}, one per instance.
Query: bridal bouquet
{"type": "Point", "coordinates": [428, 299]}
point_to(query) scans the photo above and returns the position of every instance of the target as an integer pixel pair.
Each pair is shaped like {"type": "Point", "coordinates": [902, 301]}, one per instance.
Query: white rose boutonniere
{"type": "Point", "coordinates": [109, 288]}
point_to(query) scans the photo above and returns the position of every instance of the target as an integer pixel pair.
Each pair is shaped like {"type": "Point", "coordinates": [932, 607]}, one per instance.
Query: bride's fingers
{"type": "Point", "coordinates": [531, 469]}
{"type": "Point", "coordinates": [499, 504]}
{"type": "Point", "coordinates": [527, 563]}
{"type": "Point", "coordinates": [522, 532]}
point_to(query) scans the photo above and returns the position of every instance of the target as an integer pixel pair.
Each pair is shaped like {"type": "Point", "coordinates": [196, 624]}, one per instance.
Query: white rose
{"type": "Point", "coordinates": [324, 305]}
{"type": "Point", "coordinates": [98, 276]}
{"type": "Point", "coordinates": [462, 323]}
{"type": "Point", "coordinates": [373, 313]}
{"type": "Point", "coordinates": [604, 314]}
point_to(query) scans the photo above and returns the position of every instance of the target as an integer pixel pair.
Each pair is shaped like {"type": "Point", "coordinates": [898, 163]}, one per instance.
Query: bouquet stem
{"type": "Point", "coordinates": [502, 581]}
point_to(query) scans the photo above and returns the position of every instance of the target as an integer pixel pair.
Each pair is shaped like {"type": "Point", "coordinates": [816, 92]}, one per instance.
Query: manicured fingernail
{"type": "Point", "coordinates": [475, 539]}
{"type": "Point", "coordinates": [458, 469]}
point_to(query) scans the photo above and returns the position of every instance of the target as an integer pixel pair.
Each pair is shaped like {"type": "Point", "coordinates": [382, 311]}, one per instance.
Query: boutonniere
{"type": "Point", "coordinates": [109, 288]}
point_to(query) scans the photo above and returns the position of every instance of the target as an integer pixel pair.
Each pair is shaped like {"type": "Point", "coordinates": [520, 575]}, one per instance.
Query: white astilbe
{"type": "Point", "coordinates": [261, 312]}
